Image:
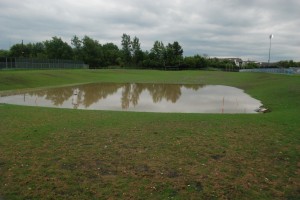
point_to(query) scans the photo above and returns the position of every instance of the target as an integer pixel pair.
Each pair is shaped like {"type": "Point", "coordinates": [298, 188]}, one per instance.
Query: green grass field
{"type": "Point", "coordinates": [48, 153]}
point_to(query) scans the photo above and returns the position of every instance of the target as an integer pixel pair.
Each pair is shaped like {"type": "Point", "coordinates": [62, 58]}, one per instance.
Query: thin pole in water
{"type": "Point", "coordinates": [223, 106]}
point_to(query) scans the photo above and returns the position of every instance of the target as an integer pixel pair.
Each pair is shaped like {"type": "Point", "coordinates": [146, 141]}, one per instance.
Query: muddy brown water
{"type": "Point", "coordinates": [141, 97]}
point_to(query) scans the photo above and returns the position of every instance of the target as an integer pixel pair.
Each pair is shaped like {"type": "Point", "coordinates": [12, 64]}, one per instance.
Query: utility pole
{"type": "Point", "coordinates": [22, 49]}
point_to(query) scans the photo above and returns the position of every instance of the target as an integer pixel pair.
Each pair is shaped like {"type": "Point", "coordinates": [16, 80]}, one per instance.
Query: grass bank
{"type": "Point", "coordinates": [75, 154]}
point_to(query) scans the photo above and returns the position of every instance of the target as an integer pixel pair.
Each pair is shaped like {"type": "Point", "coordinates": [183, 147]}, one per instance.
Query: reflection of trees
{"type": "Point", "coordinates": [170, 92]}
{"type": "Point", "coordinates": [131, 94]}
{"type": "Point", "coordinates": [91, 93]}
{"type": "Point", "coordinates": [84, 94]}
{"type": "Point", "coordinates": [58, 95]}
{"type": "Point", "coordinates": [96, 92]}
{"type": "Point", "coordinates": [194, 87]}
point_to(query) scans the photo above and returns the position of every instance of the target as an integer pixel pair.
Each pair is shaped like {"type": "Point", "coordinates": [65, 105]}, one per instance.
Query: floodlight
{"type": "Point", "coordinates": [271, 36]}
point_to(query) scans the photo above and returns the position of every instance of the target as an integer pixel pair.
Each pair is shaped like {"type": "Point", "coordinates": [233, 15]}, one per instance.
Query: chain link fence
{"type": "Point", "coordinates": [34, 63]}
{"type": "Point", "coordinates": [274, 70]}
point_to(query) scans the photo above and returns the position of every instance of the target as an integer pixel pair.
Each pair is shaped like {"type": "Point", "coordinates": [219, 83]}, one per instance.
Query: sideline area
{"type": "Point", "coordinates": [48, 153]}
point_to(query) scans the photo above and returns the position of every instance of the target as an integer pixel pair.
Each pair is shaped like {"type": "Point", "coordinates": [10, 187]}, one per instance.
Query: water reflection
{"type": "Point", "coordinates": [190, 98]}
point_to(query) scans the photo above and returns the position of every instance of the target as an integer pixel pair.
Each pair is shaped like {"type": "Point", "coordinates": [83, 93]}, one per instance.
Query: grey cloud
{"type": "Point", "coordinates": [216, 27]}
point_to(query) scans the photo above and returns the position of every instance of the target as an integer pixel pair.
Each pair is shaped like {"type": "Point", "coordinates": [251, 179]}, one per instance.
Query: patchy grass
{"type": "Point", "coordinates": [76, 154]}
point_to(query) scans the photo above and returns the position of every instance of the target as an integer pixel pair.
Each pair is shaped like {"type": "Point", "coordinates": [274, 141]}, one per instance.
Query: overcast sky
{"type": "Point", "coordinates": [222, 28]}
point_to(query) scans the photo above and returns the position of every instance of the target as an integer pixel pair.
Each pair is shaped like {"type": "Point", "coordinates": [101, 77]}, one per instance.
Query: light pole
{"type": "Point", "coordinates": [271, 36]}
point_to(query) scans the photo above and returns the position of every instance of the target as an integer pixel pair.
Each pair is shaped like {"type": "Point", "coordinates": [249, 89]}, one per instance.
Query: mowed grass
{"type": "Point", "coordinates": [48, 153]}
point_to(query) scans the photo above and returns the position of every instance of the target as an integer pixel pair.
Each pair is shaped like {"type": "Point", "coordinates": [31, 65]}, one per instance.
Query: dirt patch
{"type": "Point", "coordinates": [68, 166]}
{"type": "Point", "coordinates": [2, 163]}
{"type": "Point", "coordinates": [172, 173]}
{"type": "Point", "coordinates": [217, 156]}
{"type": "Point", "coordinates": [196, 185]}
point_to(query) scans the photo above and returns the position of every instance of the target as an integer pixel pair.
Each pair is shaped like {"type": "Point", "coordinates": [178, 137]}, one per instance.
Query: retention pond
{"type": "Point", "coordinates": [141, 97]}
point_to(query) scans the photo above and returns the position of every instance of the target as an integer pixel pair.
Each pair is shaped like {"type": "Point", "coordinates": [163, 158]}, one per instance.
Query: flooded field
{"type": "Point", "coordinates": [140, 97]}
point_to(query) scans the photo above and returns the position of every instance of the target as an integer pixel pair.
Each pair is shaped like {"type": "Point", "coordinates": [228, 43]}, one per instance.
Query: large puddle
{"type": "Point", "coordinates": [181, 98]}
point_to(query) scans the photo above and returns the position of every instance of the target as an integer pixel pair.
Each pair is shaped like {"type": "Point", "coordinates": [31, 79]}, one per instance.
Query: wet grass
{"type": "Point", "coordinates": [50, 153]}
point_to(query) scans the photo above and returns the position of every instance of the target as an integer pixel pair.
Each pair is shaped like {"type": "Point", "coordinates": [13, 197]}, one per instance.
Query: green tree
{"type": "Point", "coordinates": [20, 50]}
{"type": "Point", "coordinates": [137, 54]}
{"type": "Point", "coordinates": [126, 48]}
{"type": "Point", "coordinates": [111, 53]}
{"type": "Point", "coordinates": [190, 62]}
{"type": "Point", "coordinates": [58, 49]}
{"type": "Point", "coordinates": [170, 55]}
{"type": "Point", "coordinates": [4, 53]}
{"type": "Point", "coordinates": [178, 51]}
{"type": "Point", "coordinates": [173, 54]}
{"type": "Point", "coordinates": [38, 50]}
{"type": "Point", "coordinates": [157, 53]}
{"type": "Point", "coordinates": [287, 64]}
{"type": "Point", "coordinates": [16, 50]}
{"type": "Point", "coordinates": [251, 65]}
{"type": "Point", "coordinates": [77, 50]}
{"type": "Point", "coordinates": [30, 50]}
{"type": "Point", "coordinates": [201, 62]}
{"type": "Point", "coordinates": [92, 52]}
{"type": "Point", "coordinates": [195, 62]}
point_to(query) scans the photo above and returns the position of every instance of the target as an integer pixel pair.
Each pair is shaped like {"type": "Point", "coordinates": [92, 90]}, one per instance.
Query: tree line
{"type": "Point", "coordinates": [98, 55]}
